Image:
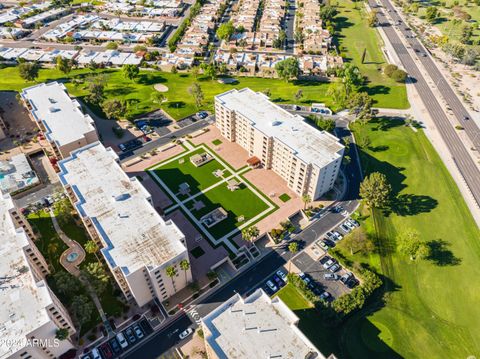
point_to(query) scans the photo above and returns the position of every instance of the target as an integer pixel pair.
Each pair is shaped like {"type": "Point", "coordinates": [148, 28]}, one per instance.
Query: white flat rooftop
{"type": "Point", "coordinates": [119, 208]}
{"type": "Point", "coordinates": [22, 299]}
{"type": "Point", "coordinates": [257, 327]}
{"type": "Point", "coordinates": [62, 116]}
{"type": "Point", "coordinates": [309, 144]}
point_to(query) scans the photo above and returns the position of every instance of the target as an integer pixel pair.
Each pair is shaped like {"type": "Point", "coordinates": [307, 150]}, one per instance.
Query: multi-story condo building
{"type": "Point", "coordinates": [59, 117]}
{"type": "Point", "coordinates": [307, 159]}
{"type": "Point", "coordinates": [255, 327]}
{"type": "Point", "coordinates": [30, 314]}
{"type": "Point", "coordinates": [137, 244]}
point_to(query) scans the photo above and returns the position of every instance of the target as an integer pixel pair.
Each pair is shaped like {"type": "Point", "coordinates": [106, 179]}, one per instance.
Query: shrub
{"type": "Point", "coordinates": [399, 75]}
{"type": "Point", "coordinates": [389, 69]}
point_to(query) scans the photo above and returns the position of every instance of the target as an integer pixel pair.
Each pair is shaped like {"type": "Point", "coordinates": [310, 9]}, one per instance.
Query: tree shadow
{"type": "Point", "coordinates": [148, 79]}
{"type": "Point", "coordinates": [120, 91]}
{"type": "Point", "coordinates": [386, 123]}
{"type": "Point", "coordinates": [411, 204]}
{"type": "Point", "coordinates": [176, 104]}
{"type": "Point", "coordinates": [440, 255]}
{"type": "Point", "coordinates": [378, 148]}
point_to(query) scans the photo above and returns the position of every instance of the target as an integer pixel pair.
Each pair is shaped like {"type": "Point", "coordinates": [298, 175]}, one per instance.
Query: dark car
{"type": "Point", "coordinates": [115, 346]}
{"type": "Point", "coordinates": [324, 260]}
{"type": "Point", "coordinates": [352, 283]}
{"type": "Point", "coordinates": [329, 242]}
{"type": "Point", "coordinates": [106, 351]}
{"type": "Point", "coordinates": [130, 335]}
{"type": "Point", "coordinates": [277, 280]}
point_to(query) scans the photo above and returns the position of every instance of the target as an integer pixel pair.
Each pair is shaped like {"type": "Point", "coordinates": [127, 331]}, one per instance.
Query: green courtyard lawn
{"type": "Point", "coordinates": [430, 307]}
{"type": "Point", "coordinates": [198, 178]}
{"type": "Point", "coordinates": [138, 94]}
{"type": "Point", "coordinates": [239, 203]}
{"type": "Point", "coordinates": [354, 37]}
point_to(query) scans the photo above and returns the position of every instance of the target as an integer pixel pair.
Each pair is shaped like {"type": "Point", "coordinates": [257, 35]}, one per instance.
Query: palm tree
{"type": "Point", "coordinates": [250, 233]}
{"type": "Point", "coordinates": [306, 199]}
{"type": "Point", "coordinates": [172, 272]}
{"type": "Point", "coordinates": [52, 247]}
{"type": "Point", "coordinates": [92, 248]}
{"type": "Point", "coordinates": [293, 248]}
{"type": "Point", "coordinates": [185, 265]}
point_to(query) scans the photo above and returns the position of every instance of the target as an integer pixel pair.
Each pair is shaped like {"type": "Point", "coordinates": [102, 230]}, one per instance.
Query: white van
{"type": "Point", "coordinates": [122, 341]}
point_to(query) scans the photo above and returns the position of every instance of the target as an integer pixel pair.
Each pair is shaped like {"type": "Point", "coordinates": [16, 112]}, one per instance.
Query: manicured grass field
{"type": "Point", "coordinates": [138, 94]}
{"type": "Point", "coordinates": [430, 307]}
{"type": "Point", "coordinates": [198, 178]}
{"type": "Point", "coordinates": [217, 142]}
{"type": "Point", "coordinates": [354, 37]}
{"type": "Point", "coordinates": [284, 197]}
{"type": "Point", "coordinates": [241, 202]}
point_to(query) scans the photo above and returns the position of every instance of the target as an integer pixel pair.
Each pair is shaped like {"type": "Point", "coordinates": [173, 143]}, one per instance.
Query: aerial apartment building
{"type": "Point", "coordinates": [59, 117]}
{"type": "Point", "coordinates": [307, 159]}
{"type": "Point", "coordinates": [30, 313]}
{"type": "Point", "coordinates": [255, 327]}
{"type": "Point", "coordinates": [136, 243]}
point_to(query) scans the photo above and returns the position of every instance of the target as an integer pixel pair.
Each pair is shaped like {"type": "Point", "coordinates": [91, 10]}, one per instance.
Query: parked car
{"type": "Point", "coordinates": [323, 245]}
{"type": "Point", "coordinates": [344, 278]}
{"type": "Point", "coordinates": [330, 235]}
{"type": "Point", "coordinates": [130, 336]}
{"type": "Point", "coordinates": [352, 283]}
{"type": "Point", "coordinates": [324, 259]}
{"type": "Point", "coordinates": [202, 114]}
{"type": "Point", "coordinates": [138, 332]}
{"type": "Point", "coordinates": [349, 225]}
{"type": "Point", "coordinates": [115, 346]}
{"type": "Point", "coordinates": [277, 280]}
{"type": "Point", "coordinates": [282, 275]}
{"type": "Point", "coordinates": [325, 295]}
{"type": "Point", "coordinates": [353, 222]}
{"type": "Point", "coordinates": [95, 354]}
{"type": "Point", "coordinates": [337, 235]}
{"type": "Point", "coordinates": [122, 341]}
{"type": "Point", "coordinates": [86, 356]}
{"type": "Point", "coordinates": [272, 286]}
{"type": "Point", "coordinates": [185, 333]}
{"type": "Point", "coordinates": [345, 228]}
{"type": "Point", "coordinates": [329, 242]}
{"type": "Point", "coordinates": [106, 351]}
{"type": "Point", "coordinates": [329, 263]}
{"type": "Point", "coordinates": [334, 268]}
{"type": "Point", "coordinates": [331, 276]}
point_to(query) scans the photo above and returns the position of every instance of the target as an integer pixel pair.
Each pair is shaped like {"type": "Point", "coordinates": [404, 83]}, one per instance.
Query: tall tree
{"type": "Point", "coordinates": [372, 18]}
{"type": "Point", "coordinates": [431, 14]}
{"type": "Point", "coordinates": [409, 243]}
{"type": "Point", "coordinates": [375, 190]}
{"type": "Point", "coordinates": [293, 248]}
{"type": "Point", "coordinates": [306, 199]}
{"type": "Point", "coordinates": [61, 334]}
{"type": "Point", "coordinates": [185, 265]}
{"type": "Point", "coordinates": [196, 91]}
{"type": "Point", "coordinates": [28, 70]}
{"type": "Point", "coordinates": [358, 241]}
{"type": "Point", "coordinates": [351, 78]}
{"type": "Point", "coordinates": [171, 272]}
{"type": "Point", "coordinates": [250, 233]}
{"type": "Point", "coordinates": [360, 104]}
{"type": "Point", "coordinates": [225, 31]}
{"type": "Point", "coordinates": [288, 69]}
{"type": "Point", "coordinates": [64, 65]}
{"type": "Point", "coordinates": [298, 95]}
{"type": "Point", "coordinates": [130, 71]}
{"type": "Point", "coordinates": [92, 248]}
{"type": "Point", "coordinates": [82, 308]}
{"type": "Point", "coordinates": [114, 109]}
{"type": "Point", "coordinates": [97, 276]}
{"type": "Point", "coordinates": [65, 282]}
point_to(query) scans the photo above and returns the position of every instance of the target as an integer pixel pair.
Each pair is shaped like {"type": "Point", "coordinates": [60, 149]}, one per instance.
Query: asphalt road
{"type": "Point", "coordinates": [289, 26]}
{"type": "Point", "coordinates": [458, 151]}
{"type": "Point", "coordinates": [255, 276]}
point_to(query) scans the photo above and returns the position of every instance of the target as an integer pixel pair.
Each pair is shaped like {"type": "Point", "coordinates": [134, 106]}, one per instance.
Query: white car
{"type": "Point", "coordinates": [328, 263]}
{"type": "Point", "coordinates": [282, 275]}
{"type": "Point", "coordinates": [95, 354]}
{"type": "Point", "coordinates": [337, 235]}
{"type": "Point", "coordinates": [272, 286]}
{"type": "Point", "coordinates": [349, 225]}
{"type": "Point", "coordinates": [138, 332]}
{"type": "Point", "coordinates": [122, 341]}
{"type": "Point", "coordinates": [185, 333]}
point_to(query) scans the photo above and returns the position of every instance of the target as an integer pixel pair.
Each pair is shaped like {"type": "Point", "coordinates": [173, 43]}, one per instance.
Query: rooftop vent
{"type": "Point", "coordinates": [122, 197]}
{"type": "Point", "coordinates": [53, 109]}
{"type": "Point", "coordinates": [123, 215]}
{"type": "Point", "coordinates": [275, 123]}
{"type": "Point", "coordinates": [52, 100]}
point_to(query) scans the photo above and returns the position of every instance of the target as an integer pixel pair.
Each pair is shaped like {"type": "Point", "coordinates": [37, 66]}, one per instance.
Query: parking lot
{"type": "Point", "coordinates": [123, 341]}
{"type": "Point", "coordinates": [315, 270]}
